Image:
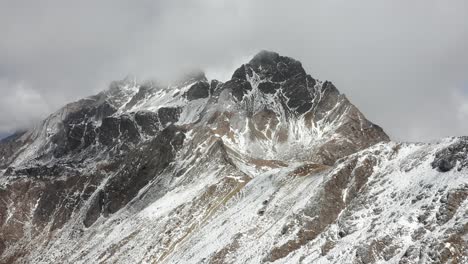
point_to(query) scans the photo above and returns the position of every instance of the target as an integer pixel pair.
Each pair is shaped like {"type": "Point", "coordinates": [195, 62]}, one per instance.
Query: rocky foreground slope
{"type": "Point", "coordinates": [270, 166]}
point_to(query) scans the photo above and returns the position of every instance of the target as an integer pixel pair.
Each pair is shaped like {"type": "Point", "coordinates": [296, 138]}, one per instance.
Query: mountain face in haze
{"type": "Point", "coordinates": [270, 166]}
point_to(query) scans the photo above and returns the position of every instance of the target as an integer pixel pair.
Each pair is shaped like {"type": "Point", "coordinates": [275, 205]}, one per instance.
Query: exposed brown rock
{"type": "Point", "coordinates": [309, 169]}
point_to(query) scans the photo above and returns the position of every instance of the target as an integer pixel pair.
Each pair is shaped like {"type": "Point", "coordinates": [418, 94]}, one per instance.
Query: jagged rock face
{"type": "Point", "coordinates": [8, 148]}
{"type": "Point", "coordinates": [198, 90]}
{"type": "Point", "coordinates": [276, 73]}
{"type": "Point", "coordinates": [139, 168]}
{"type": "Point", "coordinates": [281, 73]}
{"type": "Point", "coordinates": [270, 166]}
{"type": "Point", "coordinates": [455, 155]}
{"type": "Point", "coordinates": [282, 113]}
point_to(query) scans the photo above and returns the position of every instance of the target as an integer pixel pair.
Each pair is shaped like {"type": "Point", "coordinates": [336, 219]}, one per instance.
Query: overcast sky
{"type": "Point", "coordinates": [404, 63]}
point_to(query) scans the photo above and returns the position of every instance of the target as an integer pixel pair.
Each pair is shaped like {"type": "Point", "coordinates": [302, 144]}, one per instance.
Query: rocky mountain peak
{"type": "Point", "coordinates": [281, 99]}
{"type": "Point", "coordinates": [269, 109]}
{"type": "Point", "coordinates": [270, 166]}
{"type": "Point", "coordinates": [276, 68]}
{"type": "Point", "coordinates": [270, 66]}
{"type": "Point", "coordinates": [272, 73]}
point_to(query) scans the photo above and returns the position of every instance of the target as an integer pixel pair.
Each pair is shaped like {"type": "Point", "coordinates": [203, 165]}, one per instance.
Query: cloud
{"type": "Point", "coordinates": [20, 106]}
{"type": "Point", "coordinates": [399, 61]}
{"type": "Point", "coordinates": [460, 99]}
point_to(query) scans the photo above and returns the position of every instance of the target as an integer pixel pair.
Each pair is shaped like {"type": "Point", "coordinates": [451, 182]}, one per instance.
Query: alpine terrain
{"type": "Point", "coordinates": [272, 166]}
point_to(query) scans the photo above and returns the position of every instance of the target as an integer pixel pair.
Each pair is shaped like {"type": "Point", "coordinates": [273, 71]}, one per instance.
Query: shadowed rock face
{"type": "Point", "coordinates": [238, 87]}
{"type": "Point", "coordinates": [136, 170]}
{"type": "Point", "coordinates": [278, 72]}
{"type": "Point", "coordinates": [272, 165]}
{"type": "Point", "coordinates": [9, 146]}
{"type": "Point", "coordinates": [449, 158]}
{"type": "Point", "coordinates": [198, 90]}
{"type": "Point", "coordinates": [41, 205]}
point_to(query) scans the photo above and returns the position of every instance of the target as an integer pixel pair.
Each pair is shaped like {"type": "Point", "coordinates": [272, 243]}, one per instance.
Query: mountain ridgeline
{"type": "Point", "coordinates": [271, 166]}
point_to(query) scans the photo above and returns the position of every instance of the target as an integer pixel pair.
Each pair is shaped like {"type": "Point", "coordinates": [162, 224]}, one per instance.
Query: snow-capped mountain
{"type": "Point", "coordinates": [270, 166]}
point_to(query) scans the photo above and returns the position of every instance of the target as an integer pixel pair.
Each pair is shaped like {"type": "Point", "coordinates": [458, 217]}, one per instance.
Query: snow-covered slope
{"type": "Point", "coordinates": [271, 166]}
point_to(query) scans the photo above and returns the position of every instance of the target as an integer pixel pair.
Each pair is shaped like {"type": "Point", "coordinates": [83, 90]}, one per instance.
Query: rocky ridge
{"type": "Point", "coordinates": [270, 166]}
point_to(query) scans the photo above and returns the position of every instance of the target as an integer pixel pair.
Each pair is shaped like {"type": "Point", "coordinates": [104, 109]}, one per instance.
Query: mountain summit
{"type": "Point", "coordinates": [271, 166]}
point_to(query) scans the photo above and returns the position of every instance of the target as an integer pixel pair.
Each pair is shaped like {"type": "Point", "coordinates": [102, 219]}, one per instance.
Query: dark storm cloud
{"type": "Point", "coordinates": [403, 63]}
